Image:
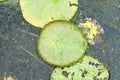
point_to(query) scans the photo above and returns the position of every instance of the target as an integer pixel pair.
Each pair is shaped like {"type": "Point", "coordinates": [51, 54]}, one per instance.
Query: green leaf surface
{"type": "Point", "coordinates": [40, 12]}
{"type": "Point", "coordinates": [87, 69]}
{"type": "Point", "coordinates": [3, 0]}
{"type": "Point", "coordinates": [61, 43]}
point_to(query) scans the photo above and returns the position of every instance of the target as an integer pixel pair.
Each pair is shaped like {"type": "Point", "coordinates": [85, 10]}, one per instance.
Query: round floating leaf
{"type": "Point", "coordinates": [40, 12]}
{"type": "Point", "coordinates": [61, 43]}
{"type": "Point", "coordinates": [87, 69]}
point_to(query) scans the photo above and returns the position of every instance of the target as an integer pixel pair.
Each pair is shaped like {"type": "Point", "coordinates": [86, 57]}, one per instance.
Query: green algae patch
{"type": "Point", "coordinates": [40, 12]}
{"type": "Point", "coordinates": [61, 43]}
{"type": "Point", "coordinates": [88, 68]}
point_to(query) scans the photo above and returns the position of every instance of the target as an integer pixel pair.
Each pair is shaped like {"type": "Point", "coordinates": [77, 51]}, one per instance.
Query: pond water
{"type": "Point", "coordinates": [18, 55]}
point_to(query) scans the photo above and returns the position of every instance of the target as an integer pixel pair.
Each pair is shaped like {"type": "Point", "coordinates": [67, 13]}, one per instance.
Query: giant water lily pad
{"type": "Point", "coordinates": [40, 12]}
{"type": "Point", "coordinates": [61, 43]}
{"type": "Point", "coordinates": [87, 69]}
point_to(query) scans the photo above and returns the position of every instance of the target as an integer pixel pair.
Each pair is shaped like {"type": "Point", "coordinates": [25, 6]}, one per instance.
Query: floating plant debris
{"type": "Point", "coordinates": [4, 77]}
{"type": "Point", "coordinates": [40, 12]}
{"type": "Point", "coordinates": [92, 29]}
{"type": "Point", "coordinates": [61, 43]}
{"type": "Point", "coordinates": [88, 68]}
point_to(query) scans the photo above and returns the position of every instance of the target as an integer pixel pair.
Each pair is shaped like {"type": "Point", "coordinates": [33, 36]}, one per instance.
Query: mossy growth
{"type": "Point", "coordinates": [40, 12]}
{"type": "Point", "coordinates": [61, 43]}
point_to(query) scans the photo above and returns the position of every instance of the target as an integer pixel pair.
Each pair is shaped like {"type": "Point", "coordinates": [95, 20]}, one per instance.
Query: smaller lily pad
{"type": "Point", "coordinates": [61, 43]}
{"type": "Point", "coordinates": [88, 68]}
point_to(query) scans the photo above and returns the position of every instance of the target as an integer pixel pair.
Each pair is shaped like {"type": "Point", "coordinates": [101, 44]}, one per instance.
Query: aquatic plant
{"type": "Point", "coordinates": [61, 43]}
{"type": "Point", "coordinates": [40, 12]}
{"type": "Point", "coordinates": [88, 68]}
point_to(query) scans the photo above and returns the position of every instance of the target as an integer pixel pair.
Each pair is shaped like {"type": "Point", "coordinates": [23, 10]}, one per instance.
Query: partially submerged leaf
{"type": "Point", "coordinates": [61, 43]}
{"type": "Point", "coordinates": [87, 69]}
{"type": "Point", "coordinates": [40, 12]}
